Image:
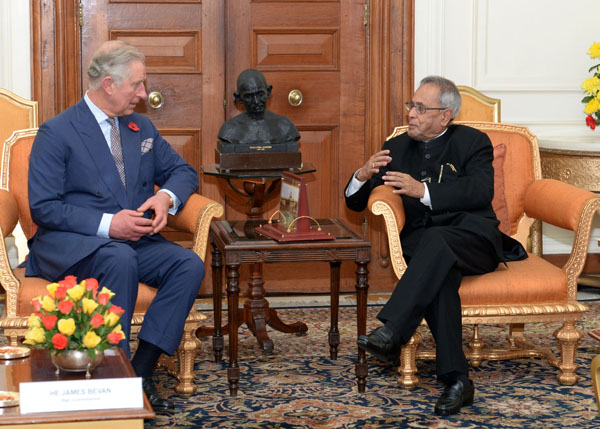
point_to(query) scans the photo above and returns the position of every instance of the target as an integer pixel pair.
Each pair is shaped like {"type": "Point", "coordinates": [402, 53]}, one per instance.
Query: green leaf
{"type": "Point", "coordinates": [594, 67]}
{"type": "Point", "coordinates": [587, 98]}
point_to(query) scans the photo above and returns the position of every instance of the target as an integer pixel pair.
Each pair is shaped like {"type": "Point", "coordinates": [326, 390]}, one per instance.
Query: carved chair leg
{"type": "Point", "coordinates": [476, 347]}
{"type": "Point", "coordinates": [568, 337]}
{"type": "Point", "coordinates": [408, 363]}
{"type": "Point", "coordinates": [186, 353]}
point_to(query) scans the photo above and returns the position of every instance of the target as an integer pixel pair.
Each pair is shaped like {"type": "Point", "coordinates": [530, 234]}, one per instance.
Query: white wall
{"type": "Point", "coordinates": [530, 54]}
{"type": "Point", "coordinates": [15, 47]}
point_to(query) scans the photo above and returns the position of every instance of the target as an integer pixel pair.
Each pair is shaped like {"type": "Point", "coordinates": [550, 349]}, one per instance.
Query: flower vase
{"type": "Point", "coordinates": [76, 361]}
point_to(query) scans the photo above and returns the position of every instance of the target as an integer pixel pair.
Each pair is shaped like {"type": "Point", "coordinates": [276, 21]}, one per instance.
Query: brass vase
{"type": "Point", "coordinates": [76, 361]}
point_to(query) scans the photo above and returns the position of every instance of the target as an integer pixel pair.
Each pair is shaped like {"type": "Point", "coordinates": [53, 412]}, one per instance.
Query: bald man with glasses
{"type": "Point", "coordinates": [443, 173]}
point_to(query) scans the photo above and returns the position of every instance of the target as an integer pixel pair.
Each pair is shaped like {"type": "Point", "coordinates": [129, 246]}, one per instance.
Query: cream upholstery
{"type": "Point", "coordinates": [532, 290]}
{"type": "Point", "coordinates": [194, 218]}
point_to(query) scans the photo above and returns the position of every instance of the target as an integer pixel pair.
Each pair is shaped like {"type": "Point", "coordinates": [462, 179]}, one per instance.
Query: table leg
{"type": "Point", "coordinates": [257, 313]}
{"type": "Point", "coordinates": [362, 287]}
{"type": "Point", "coordinates": [233, 292]}
{"type": "Point", "coordinates": [334, 334]}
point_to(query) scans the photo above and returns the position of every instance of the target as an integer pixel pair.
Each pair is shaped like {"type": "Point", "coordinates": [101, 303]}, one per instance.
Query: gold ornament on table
{"type": "Point", "coordinates": [591, 88]}
{"type": "Point", "coordinates": [75, 322]}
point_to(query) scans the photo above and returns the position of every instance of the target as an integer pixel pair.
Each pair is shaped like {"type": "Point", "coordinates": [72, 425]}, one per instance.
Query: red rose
{"type": "Point", "coordinates": [69, 281]}
{"type": "Point", "coordinates": [133, 126]}
{"type": "Point", "coordinates": [116, 309]}
{"type": "Point", "coordinates": [590, 122]}
{"type": "Point", "coordinates": [59, 341]}
{"type": "Point", "coordinates": [37, 305]}
{"type": "Point", "coordinates": [49, 322]}
{"type": "Point", "coordinates": [97, 320]}
{"type": "Point", "coordinates": [91, 284]}
{"type": "Point", "coordinates": [114, 337]}
{"type": "Point", "coordinates": [103, 298]}
{"type": "Point", "coordinates": [65, 306]}
{"type": "Point", "coordinates": [60, 292]}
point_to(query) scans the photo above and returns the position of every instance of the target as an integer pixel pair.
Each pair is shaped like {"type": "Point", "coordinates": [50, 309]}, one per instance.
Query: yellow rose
{"type": "Point", "coordinates": [76, 292]}
{"type": "Point", "coordinates": [91, 339]}
{"type": "Point", "coordinates": [34, 321]}
{"type": "Point", "coordinates": [108, 291]}
{"type": "Point", "coordinates": [34, 336]}
{"type": "Point", "coordinates": [110, 319]}
{"type": "Point", "coordinates": [89, 305]}
{"type": "Point", "coordinates": [594, 51]}
{"type": "Point", "coordinates": [592, 106]}
{"type": "Point", "coordinates": [52, 288]}
{"type": "Point", "coordinates": [48, 303]}
{"type": "Point", "coordinates": [66, 326]}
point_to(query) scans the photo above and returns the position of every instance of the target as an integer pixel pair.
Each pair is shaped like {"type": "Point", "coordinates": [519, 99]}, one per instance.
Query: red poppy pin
{"type": "Point", "coordinates": [133, 127]}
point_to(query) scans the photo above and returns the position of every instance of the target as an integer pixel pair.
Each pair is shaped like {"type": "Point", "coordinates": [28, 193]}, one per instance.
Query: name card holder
{"type": "Point", "coordinates": [80, 395]}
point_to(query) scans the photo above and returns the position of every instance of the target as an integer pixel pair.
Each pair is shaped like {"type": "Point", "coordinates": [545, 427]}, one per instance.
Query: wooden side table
{"type": "Point", "coordinates": [39, 367]}
{"type": "Point", "coordinates": [236, 244]}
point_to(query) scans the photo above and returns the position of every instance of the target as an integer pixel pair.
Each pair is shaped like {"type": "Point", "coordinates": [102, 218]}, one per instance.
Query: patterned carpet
{"type": "Point", "coordinates": [300, 387]}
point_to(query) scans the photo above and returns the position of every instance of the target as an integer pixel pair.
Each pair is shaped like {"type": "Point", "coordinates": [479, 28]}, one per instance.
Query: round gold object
{"type": "Point", "coordinates": [155, 100]}
{"type": "Point", "coordinates": [76, 361]}
{"type": "Point", "coordinates": [295, 97]}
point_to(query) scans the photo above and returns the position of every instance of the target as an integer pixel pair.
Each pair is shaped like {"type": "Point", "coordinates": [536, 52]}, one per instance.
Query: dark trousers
{"type": "Point", "coordinates": [439, 257]}
{"type": "Point", "coordinates": [174, 271]}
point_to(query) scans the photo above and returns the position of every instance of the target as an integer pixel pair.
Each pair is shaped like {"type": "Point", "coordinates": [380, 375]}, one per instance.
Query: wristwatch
{"type": "Point", "coordinates": [170, 202]}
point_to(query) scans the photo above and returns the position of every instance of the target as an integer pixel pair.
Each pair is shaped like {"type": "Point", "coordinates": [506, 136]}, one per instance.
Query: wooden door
{"type": "Point", "coordinates": [352, 60]}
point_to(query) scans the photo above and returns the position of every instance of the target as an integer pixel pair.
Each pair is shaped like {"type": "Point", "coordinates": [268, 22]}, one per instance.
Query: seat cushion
{"type": "Point", "coordinates": [32, 287]}
{"type": "Point", "coordinates": [531, 281]}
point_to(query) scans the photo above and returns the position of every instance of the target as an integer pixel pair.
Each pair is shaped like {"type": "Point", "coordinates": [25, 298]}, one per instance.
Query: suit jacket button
{"type": "Point", "coordinates": [98, 194]}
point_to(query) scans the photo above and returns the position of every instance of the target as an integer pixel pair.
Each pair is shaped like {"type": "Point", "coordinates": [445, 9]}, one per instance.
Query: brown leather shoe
{"type": "Point", "coordinates": [159, 404]}
{"type": "Point", "coordinates": [454, 397]}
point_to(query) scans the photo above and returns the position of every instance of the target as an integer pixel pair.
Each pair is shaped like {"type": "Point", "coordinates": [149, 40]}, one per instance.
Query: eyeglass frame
{"type": "Point", "coordinates": [421, 108]}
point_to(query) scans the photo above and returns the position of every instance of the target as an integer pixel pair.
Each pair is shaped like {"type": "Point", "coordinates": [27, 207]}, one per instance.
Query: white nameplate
{"type": "Point", "coordinates": [78, 395]}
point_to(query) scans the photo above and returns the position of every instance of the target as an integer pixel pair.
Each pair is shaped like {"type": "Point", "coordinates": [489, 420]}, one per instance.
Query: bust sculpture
{"type": "Point", "coordinates": [256, 126]}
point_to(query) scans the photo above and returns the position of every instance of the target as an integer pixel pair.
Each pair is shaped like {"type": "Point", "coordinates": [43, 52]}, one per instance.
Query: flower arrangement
{"type": "Point", "coordinates": [591, 87]}
{"type": "Point", "coordinates": [75, 316]}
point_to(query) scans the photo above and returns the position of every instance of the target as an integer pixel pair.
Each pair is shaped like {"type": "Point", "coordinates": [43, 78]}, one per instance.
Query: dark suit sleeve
{"type": "Point", "coordinates": [471, 187]}
{"type": "Point", "coordinates": [46, 186]}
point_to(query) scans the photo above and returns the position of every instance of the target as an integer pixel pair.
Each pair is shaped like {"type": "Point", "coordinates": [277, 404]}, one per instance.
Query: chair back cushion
{"type": "Point", "coordinates": [16, 113]}
{"type": "Point", "coordinates": [15, 169]}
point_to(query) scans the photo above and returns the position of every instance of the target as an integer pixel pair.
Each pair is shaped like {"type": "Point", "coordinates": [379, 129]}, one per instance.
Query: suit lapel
{"type": "Point", "coordinates": [93, 140]}
{"type": "Point", "coordinates": [131, 154]}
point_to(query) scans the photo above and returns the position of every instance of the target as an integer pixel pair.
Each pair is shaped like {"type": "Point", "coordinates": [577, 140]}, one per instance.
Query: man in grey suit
{"type": "Point", "coordinates": [92, 173]}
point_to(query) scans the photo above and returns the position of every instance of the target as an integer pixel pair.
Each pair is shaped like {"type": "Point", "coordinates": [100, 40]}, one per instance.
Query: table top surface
{"type": "Point", "coordinates": [213, 170]}
{"type": "Point", "coordinates": [39, 367]}
{"type": "Point", "coordinates": [241, 235]}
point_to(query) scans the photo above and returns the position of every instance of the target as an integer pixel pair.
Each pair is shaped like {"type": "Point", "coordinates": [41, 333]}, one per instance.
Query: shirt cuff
{"type": "Point", "coordinates": [104, 227]}
{"type": "Point", "coordinates": [354, 185]}
{"type": "Point", "coordinates": [176, 202]}
{"type": "Point", "coordinates": [426, 198]}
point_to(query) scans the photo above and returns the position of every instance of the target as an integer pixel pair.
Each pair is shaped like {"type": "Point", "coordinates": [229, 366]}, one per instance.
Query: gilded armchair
{"type": "Point", "coordinates": [477, 106]}
{"type": "Point", "coordinates": [194, 218]}
{"type": "Point", "coordinates": [532, 290]}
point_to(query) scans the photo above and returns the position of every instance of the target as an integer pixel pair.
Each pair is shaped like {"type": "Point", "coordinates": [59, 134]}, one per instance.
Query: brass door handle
{"type": "Point", "coordinates": [155, 100]}
{"type": "Point", "coordinates": [295, 97]}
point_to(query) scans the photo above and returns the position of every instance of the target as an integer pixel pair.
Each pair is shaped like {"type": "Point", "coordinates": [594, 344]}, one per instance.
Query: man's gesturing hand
{"type": "Point", "coordinates": [129, 225]}
{"type": "Point", "coordinates": [404, 184]}
{"type": "Point", "coordinates": [379, 159]}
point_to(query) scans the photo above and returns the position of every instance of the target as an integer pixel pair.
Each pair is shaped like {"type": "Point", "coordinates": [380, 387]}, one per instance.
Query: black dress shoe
{"type": "Point", "coordinates": [380, 344]}
{"type": "Point", "coordinates": [455, 395]}
{"type": "Point", "coordinates": [159, 404]}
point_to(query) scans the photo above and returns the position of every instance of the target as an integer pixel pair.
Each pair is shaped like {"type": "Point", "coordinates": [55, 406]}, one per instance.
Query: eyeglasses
{"type": "Point", "coordinates": [421, 108]}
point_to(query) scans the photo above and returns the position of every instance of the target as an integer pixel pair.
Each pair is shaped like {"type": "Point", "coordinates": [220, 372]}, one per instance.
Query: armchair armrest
{"type": "Point", "coordinates": [195, 217]}
{"type": "Point", "coordinates": [568, 207]}
{"type": "Point", "coordinates": [383, 202]}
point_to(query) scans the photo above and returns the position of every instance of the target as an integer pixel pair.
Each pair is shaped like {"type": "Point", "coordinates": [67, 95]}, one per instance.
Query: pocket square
{"type": "Point", "coordinates": [147, 145]}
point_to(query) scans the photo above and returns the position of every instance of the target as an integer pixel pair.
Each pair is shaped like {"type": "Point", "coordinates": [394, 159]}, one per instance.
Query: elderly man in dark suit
{"type": "Point", "coordinates": [91, 191]}
{"type": "Point", "coordinates": [444, 175]}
